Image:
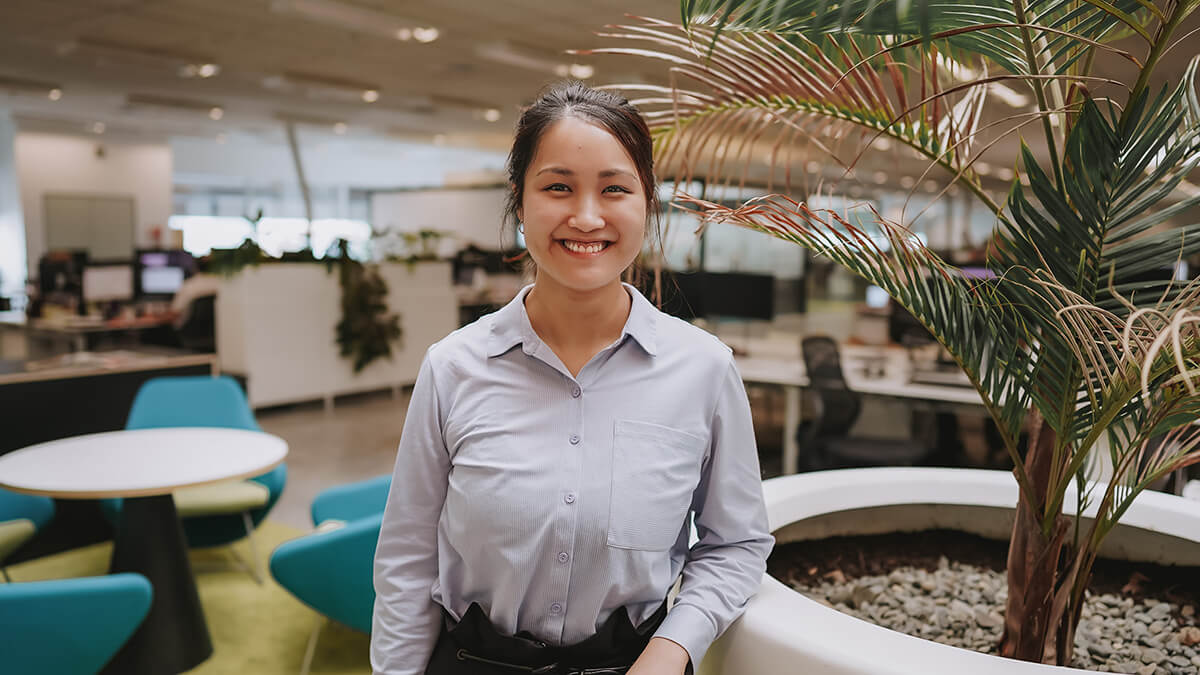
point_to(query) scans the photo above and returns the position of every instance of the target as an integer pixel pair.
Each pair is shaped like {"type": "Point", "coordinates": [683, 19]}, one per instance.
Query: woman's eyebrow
{"type": "Point", "coordinates": [563, 171]}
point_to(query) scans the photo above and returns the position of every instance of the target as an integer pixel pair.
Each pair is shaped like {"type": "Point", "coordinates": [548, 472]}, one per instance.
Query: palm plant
{"type": "Point", "coordinates": [1068, 343]}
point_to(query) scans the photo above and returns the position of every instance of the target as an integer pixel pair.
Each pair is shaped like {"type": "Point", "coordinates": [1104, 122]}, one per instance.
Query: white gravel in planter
{"type": "Point", "coordinates": [963, 606]}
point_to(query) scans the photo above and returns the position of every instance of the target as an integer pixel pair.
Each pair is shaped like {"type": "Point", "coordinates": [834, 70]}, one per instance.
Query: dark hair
{"type": "Point", "coordinates": [607, 110]}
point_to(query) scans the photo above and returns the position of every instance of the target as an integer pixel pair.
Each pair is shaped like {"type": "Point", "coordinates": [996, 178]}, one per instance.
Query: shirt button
{"type": "Point", "coordinates": [575, 392]}
{"type": "Point", "coordinates": [563, 557]}
{"type": "Point", "coordinates": [569, 498]}
{"type": "Point", "coordinates": [556, 608]}
{"type": "Point", "coordinates": [574, 439]}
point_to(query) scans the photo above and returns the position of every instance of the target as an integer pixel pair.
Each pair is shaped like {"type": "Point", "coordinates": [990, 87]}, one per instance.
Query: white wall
{"type": "Point", "coordinates": [12, 230]}
{"type": "Point", "coordinates": [475, 215]}
{"type": "Point", "coordinates": [69, 164]}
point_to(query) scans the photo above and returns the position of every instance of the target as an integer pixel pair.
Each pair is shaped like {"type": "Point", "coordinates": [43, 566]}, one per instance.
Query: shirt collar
{"type": "Point", "coordinates": [510, 325]}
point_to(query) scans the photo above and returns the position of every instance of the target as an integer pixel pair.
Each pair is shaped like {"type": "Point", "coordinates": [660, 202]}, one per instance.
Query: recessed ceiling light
{"type": "Point", "coordinates": [880, 177]}
{"type": "Point", "coordinates": [339, 128]}
{"type": "Point", "coordinates": [882, 144]}
{"type": "Point", "coordinates": [425, 34]}
{"type": "Point", "coordinates": [54, 94]}
{"type": "Point", "coordinates": [370, 95]}
{"type": "Point", "coordinates": [221, 139]}
{"type": "Point", "coordinates": [98, 128]}
{"type": "Point", "coordinates": [404, 34]}
{"type": "Point", "coordinates": [491, 114]}
{"type": "Point", "coordinates": [907, 182]}
{"type": "Point", "coordinates": [208, 70]}
{"type": "Point", "coordinates": [812, 166]}
{"type": "Point", "coordinates": [982, 168]}
{"type": "Point", "coordinates": [929, 186]}
{"type": "Point", "coordinates": [216, 114]}
{"type": "Point", "coordinates": [582, 71]}
{"type": "Point", "coordinates": [1005, 173]}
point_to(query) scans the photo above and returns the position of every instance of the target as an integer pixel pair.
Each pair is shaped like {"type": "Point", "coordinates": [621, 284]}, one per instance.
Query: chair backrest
{"type": "Point", "coordinates": [69, 625]}
{"type": "Point", "coordinates": [840, 406]}
{"type": "Point", "coordinates": [14, 505]}
{"type": "Point", "coordinates": [199, 329]}
{"type": "Point", "coordinates": [352, 501]}
{"type": "Point", "coordinates": [333, 571]}
{"type": "Point", "coordinates": [191, 401]}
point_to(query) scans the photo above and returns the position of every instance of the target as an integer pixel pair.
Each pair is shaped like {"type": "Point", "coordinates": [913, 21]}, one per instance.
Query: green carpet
{"type": "Point", "coordinates": [256, 630]}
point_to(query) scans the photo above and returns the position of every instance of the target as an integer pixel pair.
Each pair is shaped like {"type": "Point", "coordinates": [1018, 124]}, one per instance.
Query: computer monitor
{"type": "Point", "coordinates": [161, 273]}
{"type": "Point", "coordinates": [108, 283]}
{"type": "Point", "coordinates": [61, 272]}
{"type": "Point", "coordinates": [738, 295]}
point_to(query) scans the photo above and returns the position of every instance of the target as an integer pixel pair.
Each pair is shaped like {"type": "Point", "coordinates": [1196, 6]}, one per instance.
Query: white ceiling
{"type": "Point", "coordinates": [273, 56]}
{"type": "Point", "coordinates": [277, 61]}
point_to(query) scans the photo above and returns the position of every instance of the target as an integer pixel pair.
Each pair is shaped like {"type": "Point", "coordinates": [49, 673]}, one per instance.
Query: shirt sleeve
{"type": "Point", "coordinates": [725, 566]}
{"type": "Point", "coordinates": [406, 621]}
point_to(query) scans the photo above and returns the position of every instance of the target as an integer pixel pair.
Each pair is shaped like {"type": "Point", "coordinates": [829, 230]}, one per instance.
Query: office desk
{"type": "Point", "coordinates": [144, 467]}
{"type": "Point", "coordinates": [789, 373]}
{"type": "Point", "coordinates": [80, 331]}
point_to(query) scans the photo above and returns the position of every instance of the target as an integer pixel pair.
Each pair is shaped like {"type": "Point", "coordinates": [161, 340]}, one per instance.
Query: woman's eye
{"type": "Point", "coordinates": [618, 188]}
{"type": "Point", "coordinates": [556, 187]}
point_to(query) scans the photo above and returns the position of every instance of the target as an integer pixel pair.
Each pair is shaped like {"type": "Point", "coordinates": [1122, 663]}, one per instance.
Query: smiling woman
{"type": "Point", "coordinates": [542, 496]}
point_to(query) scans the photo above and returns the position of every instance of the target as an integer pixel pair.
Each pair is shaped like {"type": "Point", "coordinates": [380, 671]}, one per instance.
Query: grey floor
{"type": "Point", "coordinates": [356, 440]}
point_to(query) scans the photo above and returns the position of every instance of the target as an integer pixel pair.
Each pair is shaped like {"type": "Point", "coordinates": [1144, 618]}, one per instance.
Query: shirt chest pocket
{"type": "Point", "coordinates": [655, 470]}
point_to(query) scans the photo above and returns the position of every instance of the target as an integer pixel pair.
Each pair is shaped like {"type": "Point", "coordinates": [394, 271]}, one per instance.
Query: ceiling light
{"type": "Point", "coordinates": [507, 55]}
{"type": "Point", "coordinates": [370, 95]}
{"type": "Point", "coordinates": [1004, 173]}
{"type": "Point", "coordinates": [812, 166]}
{"type": "Point", "coordinates": [317, 86]}
{"type": "Point", "coordinates": [907, 182]}
{"type": "Point", "coordinates": [212, 110]}
{"type": "Point", "coordinates": [222, 139]}
{"type": "Point", "coordinates": [185, 63]}
{"type": "Point", "coordinates": [208, 70]}
{"type": "Point", "coordinates": [982, 168]}
{"type": "Point", "coordinates": [425, 34]}
{"type": "Point", "coordinates": [883, 144]}
{"type": "Point", "coordinates": [929, 186]}
{"type": "Point", "coordinates": [339, 128]}
{"type": "Point", "coordinates": [21, 85]}
{"type": "Point", "coordinates": [880, 177]}
{"type": "Point", "coordinates": [491, 114]}
{"type": "Point", "coordinates": [357, 19]}
{"type": "Point", "coordinates": [54, 94]}
{"type": "Point", "coordinates": [98, 128]}
{"type": "Point", "coordinates": [216, 114]}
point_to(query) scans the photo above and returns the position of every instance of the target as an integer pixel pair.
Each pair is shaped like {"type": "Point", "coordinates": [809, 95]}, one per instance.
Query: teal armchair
{"type": "Point", "coordinates": [21, 516]}
{"type": "Point", "coordinates": [331, 570]}
{"type": "Point", "coordinates": [69, 625]}
{"type": "Point", "coordinates": [212, 515]}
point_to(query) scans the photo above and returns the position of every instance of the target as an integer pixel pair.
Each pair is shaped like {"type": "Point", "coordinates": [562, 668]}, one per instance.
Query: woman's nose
{"type": "Point", "coordinates": [587, 217]}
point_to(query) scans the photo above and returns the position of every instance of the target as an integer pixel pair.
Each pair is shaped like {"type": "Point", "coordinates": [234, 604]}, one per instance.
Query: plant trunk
{"type": "Point", "coordinates": [1032, 620]}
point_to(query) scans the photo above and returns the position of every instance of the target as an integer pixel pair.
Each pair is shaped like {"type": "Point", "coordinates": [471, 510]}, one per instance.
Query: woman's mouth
{"type": "Point", "coordinates": [584, 248]}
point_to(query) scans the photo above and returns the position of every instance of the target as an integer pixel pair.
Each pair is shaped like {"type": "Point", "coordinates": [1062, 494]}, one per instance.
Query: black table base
{"type": "Point", "coordinates": [174, 636]}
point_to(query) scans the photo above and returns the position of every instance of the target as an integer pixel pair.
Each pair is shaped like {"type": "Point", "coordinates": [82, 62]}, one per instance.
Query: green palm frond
{"type": "Point", "coordinates": [1056, 26]}
{"type": "Point", "coordinates": [758, 92]}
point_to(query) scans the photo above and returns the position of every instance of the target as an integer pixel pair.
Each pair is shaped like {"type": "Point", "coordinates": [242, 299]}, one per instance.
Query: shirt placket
{"type": "Point", "coordinates": [569, 503]}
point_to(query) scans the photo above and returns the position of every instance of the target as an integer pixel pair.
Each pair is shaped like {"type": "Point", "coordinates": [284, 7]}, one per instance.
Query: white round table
{"type": "Point", "coordinates": [144, 466]}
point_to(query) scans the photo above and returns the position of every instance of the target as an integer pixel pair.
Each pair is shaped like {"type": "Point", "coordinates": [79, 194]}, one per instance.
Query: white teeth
{"type": "Point", "coordinates": [583, 248]}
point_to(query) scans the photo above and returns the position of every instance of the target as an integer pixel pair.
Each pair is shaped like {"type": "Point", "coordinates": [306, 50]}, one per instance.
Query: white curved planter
{"type": "Point", "coordinates": [783, 631]}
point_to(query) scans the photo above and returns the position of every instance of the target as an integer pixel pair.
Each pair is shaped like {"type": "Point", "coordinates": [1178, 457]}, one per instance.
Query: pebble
{"type": "Point", "coordinates": [963, 606]}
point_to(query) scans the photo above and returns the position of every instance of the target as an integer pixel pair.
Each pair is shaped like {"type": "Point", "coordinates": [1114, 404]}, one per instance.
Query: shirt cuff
{"type": "Point", "coordinates": [689, 628]}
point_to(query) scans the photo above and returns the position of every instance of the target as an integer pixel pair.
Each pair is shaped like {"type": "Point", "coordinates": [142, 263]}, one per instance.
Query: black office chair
{"type": "Point", "coordinates": [824, 441]}
{"type": "Point", "coordinates": [199, 332]}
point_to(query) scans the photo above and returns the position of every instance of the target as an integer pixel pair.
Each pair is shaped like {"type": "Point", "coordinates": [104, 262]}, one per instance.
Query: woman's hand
{"type": "Point", "coordinates": [661, 657]}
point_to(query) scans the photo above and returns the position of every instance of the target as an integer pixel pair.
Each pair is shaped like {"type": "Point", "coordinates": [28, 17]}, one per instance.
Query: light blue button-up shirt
{"type": "Point", "coordinates": [553, 500]}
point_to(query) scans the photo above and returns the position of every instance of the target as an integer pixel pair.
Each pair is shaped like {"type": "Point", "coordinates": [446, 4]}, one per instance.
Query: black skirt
{"type": "Point", "coordinates": [472, 646]}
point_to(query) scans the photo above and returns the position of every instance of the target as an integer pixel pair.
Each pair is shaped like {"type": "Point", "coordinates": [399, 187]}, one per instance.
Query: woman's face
{"type": "Point", "coordinates": [583, 207]}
